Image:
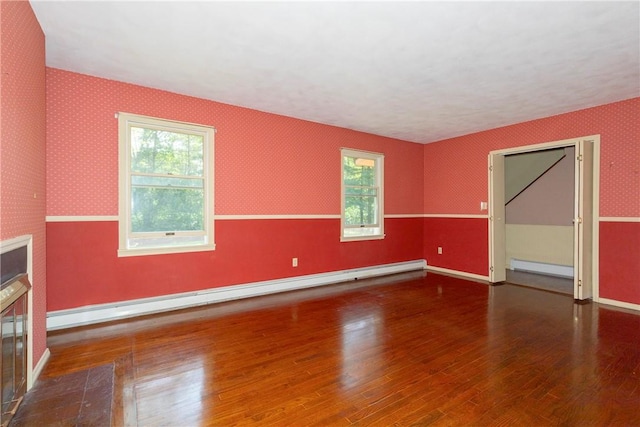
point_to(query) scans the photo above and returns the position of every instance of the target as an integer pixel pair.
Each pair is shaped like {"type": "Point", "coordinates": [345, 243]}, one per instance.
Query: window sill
{"type": "Point", "coordinates": [362, 238]}
{"type": "Point", "coordinates": [164, 251]}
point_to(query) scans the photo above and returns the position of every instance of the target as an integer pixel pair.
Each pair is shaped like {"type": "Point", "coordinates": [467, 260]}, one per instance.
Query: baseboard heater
{"type": "Point", "coordinates": [113, 311]}
{"type": "Point", "coordinates": [542, 268]}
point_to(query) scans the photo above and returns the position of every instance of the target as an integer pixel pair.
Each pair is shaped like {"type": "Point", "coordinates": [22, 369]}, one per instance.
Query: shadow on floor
{"type": "Point", "coordinates": [545, 282]}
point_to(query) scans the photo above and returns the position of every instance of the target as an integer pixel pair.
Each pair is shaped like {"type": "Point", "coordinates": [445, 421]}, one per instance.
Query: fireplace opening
{"type": "Point", "coordinates": [14, 323]}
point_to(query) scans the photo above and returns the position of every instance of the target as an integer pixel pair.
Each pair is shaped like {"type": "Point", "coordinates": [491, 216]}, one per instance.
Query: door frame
{"type": "Point", "coordinates": [497, 247]}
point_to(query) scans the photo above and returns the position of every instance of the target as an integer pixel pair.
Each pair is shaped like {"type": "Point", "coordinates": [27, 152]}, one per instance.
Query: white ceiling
{"type": "Point", "coordinates": [418, 71]}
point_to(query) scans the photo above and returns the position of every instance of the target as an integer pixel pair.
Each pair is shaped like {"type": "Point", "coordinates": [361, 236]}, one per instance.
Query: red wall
{"type": "Point", "coordinates": [620, 261]}
{"type": "Point", "coordinates": [85, 270]}
{"type": "Point", "coordinates": [464, 243]}
{"type": "Point", "coordinates": [22, 147]}
{"type": "Point", "coordinates": [265, 164]}
{"type": "Point", "coordinates": [455, 182]}
{"type": "Point", "coordinates": [274, 165]}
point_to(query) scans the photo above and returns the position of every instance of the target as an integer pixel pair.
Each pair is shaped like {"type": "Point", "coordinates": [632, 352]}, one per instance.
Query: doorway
{"type": "Point", "coordinates": [585, 212]}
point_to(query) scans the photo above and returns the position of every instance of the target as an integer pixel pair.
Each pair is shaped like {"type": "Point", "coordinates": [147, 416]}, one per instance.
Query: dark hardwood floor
{"type": "Point", "coordinates": [549, 283]}
{"type": "Point", "coordinates": [412, 349]}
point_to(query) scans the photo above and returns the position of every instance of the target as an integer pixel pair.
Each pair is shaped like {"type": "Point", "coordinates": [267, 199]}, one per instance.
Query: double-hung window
{"type": "Point", "coordinates": [362, 216]}
{"type": "Point", "coordinates": [166, 186]}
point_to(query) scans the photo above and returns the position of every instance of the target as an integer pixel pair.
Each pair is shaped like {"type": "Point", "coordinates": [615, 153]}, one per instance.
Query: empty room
{"type": "Point", "coordinates": [320, 213]}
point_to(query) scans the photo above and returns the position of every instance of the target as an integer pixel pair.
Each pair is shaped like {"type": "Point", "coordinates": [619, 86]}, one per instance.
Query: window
{"type": "Point", "coordinates": [362, 216]}
{"type": "Point", "coordinates": [166, 186]}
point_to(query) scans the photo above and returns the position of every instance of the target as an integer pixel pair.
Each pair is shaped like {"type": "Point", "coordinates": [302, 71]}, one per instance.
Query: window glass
{"type": "Point", "coordinates": [361, 195]}
{"type": "Point", "coordinates": [165, 186]}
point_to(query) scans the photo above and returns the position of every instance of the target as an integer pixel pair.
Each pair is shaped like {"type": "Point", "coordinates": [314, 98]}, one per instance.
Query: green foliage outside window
{"type": "Point", "coordinates": [361, 193]}
{"type": "Point", "coordinates": [167, 181]}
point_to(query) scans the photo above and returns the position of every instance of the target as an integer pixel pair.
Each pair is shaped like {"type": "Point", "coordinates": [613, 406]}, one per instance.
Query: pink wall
{"type": "Point", "coordinates": [265, 164]}
{"type": "Point", "coordinates": [455, 178]}
{"type": "Point", "coordinates": [22, 148]}
{"type": "Point", "coordinates": [455, 181]}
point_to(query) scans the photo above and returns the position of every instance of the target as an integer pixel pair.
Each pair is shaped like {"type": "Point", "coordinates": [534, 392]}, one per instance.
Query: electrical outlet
{"type": "Point", "coordinates": [439, 250]}
{"type": "Point", "coordinates": [294, 262]}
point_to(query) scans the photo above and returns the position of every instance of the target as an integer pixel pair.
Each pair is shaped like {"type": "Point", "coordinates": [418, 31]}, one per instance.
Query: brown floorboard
{"type": "Point", "coordinates": [82, 398]}
{"type": "Point", "coordinates": [545, 282]}
{"type": "Point", "coordinates": [414, 349]}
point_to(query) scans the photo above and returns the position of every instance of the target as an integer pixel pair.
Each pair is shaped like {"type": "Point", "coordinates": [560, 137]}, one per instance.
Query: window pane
{"type": "Point", "coordinates": [361, 191]}
{"type": "Point", "coordinates": [358, 175]}
{"type": "Point", "coordinates": [161, 181]}
{"type": "Point", "coordinates": [164, 152]}
{"type": "Point", "coordinates": [166, 209]}
{"type": "Point", "coordinates": [360, 210]}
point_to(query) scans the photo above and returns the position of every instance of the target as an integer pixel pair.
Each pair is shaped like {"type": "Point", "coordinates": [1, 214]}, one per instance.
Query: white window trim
{"type": "Point", "coordinates": [125, 121]}
{"type": "Point", "coordinates": [379, 159]}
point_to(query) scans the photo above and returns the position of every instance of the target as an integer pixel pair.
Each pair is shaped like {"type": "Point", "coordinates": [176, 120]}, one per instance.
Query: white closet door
{"type": "Point", "coordinates": [583, 222]}
{"type": "Point", "coordinates": [497, 230]}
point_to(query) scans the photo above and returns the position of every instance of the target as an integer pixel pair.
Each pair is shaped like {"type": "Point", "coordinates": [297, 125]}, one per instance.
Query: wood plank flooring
{"type": "Point", "coordinates": [82, 398]}
{"type": "Point", "coordinates": [549, 283]}
{"type": "Point", "coordinates": [412, 349]}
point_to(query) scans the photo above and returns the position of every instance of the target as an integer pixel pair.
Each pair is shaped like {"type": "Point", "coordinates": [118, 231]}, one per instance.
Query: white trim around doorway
{"type": "Point", "coordinates": [596, 195]}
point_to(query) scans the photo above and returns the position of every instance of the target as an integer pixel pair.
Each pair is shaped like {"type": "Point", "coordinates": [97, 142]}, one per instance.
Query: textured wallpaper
{"type": "Point", "coordinates": [456, 169]}
{"type": "Point", "coordinates": [22, 151]}
{"type": "Point", "coordinates": [265, 164]}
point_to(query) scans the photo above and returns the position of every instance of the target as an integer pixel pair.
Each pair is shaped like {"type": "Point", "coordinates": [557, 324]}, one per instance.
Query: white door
{"type": "Point", "coordinates": [583, 222]}
{"type": "Point", "coordinates": [497, 230]}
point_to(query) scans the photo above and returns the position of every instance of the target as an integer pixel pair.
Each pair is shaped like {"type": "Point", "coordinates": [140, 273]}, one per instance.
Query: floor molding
{"type": "Point", "coordinates": [114, 311]}
{"type": "Point", "coordinates": [620, 304]}
{"type": "Point", "coordinates": [37, 370]}
{"type": "Point", "coordinates": [463, 274]}
{"type": "Point", "coordinates": [542, 268]}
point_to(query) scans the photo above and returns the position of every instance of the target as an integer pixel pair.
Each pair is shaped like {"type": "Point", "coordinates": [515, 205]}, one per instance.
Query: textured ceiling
{"type": "Point", "coordinates": [418, 71]}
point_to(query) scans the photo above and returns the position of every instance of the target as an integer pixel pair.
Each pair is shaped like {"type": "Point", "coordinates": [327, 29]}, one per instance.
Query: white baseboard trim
{"type": "Point", "coordinates": [620, 304]}
{"type": "Point", "coordinates": [38, 368]}
{"type": "Point", "coordinates": [62, 319]}
{"type": "Point", "coordinates": [458, 273]}
{"type": "Point", "coordinates": [542, 267]}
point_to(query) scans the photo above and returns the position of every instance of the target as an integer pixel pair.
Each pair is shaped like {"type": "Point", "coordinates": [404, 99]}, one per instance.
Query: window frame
{"type": "Point", "coordinates": [378, 158]}
{"type": "Point", "coordinates": [125, 122]}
